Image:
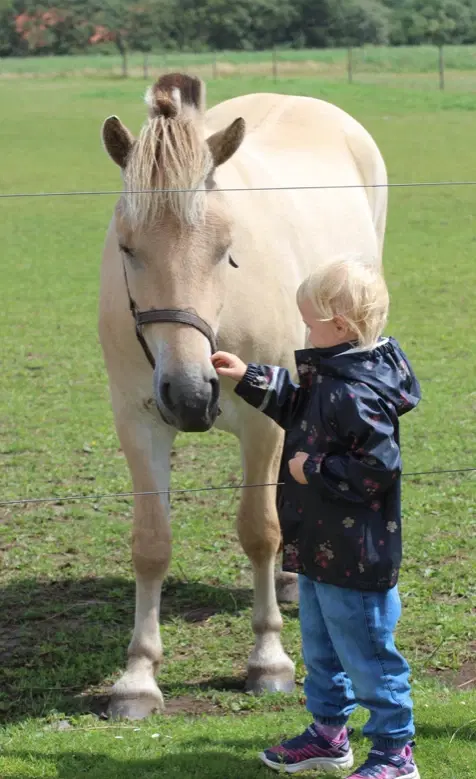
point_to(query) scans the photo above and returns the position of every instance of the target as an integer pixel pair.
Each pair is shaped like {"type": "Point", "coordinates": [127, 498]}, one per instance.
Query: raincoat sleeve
{"type": "Point", "coordinates": [271, 390]}
{"type": "Point", "coordinates": [371, 462]}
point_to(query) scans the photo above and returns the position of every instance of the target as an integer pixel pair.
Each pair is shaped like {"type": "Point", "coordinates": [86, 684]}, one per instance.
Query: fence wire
{"type": "Point", "coordinates": [95, 498]}
{"type": "Point", "coordinates": [88, 193]}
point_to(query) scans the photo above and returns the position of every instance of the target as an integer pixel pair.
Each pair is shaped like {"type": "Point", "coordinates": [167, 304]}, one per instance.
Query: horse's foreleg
{"type": "Point", "coordinates": [269, 668]}
{"type": "Point", "coordinates": [147, 446]}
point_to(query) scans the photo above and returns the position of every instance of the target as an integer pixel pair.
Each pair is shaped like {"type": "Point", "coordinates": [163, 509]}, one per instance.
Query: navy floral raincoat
{"type": "Point", "coordinates": [344, 526]}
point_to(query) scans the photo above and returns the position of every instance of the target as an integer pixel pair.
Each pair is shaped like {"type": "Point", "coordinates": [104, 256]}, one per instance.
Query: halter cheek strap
{"type": "Point", "coordinates": [175, 315]}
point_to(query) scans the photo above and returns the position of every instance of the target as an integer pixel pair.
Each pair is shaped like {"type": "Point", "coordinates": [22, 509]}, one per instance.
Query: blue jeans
{"type": "Point", "coordinates": [351, 659]}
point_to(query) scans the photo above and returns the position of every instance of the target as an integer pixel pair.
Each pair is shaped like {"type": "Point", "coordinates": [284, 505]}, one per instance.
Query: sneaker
{"type": "Point", "coordinates": [387, 765]}
{"type": "Point", "coordinates": [309, 750]}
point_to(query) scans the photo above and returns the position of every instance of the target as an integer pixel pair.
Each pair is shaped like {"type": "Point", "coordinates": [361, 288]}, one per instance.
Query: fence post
{"type": "Point", "coordinates": [124, 66]}
{"type": "Point", "coordinates": [441, 65]}
{"type": "Point", "coordinates": [349, 65]}
{"type": "Point", "coordinates": [146, 65]}
{"type": "Point", "coordinates": [275, 64]}
{"type": "Point", "coordinates": [214, 66]}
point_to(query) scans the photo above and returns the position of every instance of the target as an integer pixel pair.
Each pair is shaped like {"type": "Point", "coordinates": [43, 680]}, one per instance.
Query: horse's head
{"type": "Point", "coordinates": [175, 240]}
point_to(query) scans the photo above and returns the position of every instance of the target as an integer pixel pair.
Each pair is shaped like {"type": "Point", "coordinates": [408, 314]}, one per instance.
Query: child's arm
{"type": "Point", "coordinates": [372, 463]}
{"type": "Point", "coordinates": [268, 388]}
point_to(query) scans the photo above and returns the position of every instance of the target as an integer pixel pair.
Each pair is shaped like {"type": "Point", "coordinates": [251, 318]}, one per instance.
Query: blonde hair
{"type": "Point", "coordinates": [170, 157]}
{"type": "Point", "coordinates": [353, 287]}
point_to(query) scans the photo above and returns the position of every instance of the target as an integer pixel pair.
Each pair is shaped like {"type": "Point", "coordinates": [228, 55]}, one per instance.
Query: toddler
{"type": "Point", "coordinates": [339, 510]}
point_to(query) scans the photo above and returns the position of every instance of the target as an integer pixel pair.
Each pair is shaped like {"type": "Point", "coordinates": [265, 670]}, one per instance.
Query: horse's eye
{"type": "Point", "coordinates": [127, 251]}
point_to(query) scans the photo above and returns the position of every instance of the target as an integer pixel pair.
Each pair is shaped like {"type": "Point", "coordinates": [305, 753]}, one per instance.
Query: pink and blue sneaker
{"type": "Point", "coordinates": [388, 765]}
{"type": "Point", "coordinates": [310, 750]}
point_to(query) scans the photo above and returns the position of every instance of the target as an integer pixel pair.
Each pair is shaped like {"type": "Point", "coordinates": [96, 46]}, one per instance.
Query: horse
{"type": "Point", "coordinates": [222, 214]}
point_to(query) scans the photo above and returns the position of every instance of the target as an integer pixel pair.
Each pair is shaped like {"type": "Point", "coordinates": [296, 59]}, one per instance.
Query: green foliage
{"type": "Point", "coordinates": [9, 41]}
{"type": "Point", "coordinates": [247, 24]}
{"type": "Point", "coordinates": [355, 22]}
{"type": "Point", "coordinates": [437, 22]}
{"type": "Point", "coordinates": [68, 26]}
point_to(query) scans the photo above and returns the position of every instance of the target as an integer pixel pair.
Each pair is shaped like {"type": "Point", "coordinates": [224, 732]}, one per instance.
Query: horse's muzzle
{"type": "Point", "coordinates": [188, 404]}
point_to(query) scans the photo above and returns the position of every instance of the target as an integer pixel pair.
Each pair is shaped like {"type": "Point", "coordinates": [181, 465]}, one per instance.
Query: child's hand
{"type": "Point", "coordinates": [296, 466]}
{"type": "Point", "coordinates": [229, 365]}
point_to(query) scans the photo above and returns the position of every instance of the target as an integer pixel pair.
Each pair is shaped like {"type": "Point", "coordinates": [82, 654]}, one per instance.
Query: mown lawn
{"type": "Point", "coordinates": [66, 582]}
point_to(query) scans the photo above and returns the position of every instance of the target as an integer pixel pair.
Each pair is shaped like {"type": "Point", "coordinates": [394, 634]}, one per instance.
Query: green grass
{"type": "Point", "coordinates": [409, 67]}
{"type": "Point", "coordinates": [66, 582]}
{"type": "Point", "coordinates": [414, 59]}
{"type": "Point", "coordinates": [176, 749]}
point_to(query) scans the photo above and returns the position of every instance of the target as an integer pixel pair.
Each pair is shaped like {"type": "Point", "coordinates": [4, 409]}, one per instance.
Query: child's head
{"type": "Point", "coordinates": [344, 299]}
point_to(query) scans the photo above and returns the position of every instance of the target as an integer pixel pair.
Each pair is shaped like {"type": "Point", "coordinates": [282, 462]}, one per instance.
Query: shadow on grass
{"type": "Point", "coordinates": [204, 756]}
{"type": "Point", "coordinates": [60, 640]}
{"type": "Point", "coordinates": [194, 765]}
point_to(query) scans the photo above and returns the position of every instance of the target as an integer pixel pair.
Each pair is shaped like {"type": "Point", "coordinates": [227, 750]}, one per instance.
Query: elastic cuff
{"type": "Point", "coordinates": [332, 721]}
{"type": "Point", "coordinates": [252, 371]}
{"type": "Point", "coordinates": [312, 466]}
{"type": "Point", "coordinates": [383, 744]}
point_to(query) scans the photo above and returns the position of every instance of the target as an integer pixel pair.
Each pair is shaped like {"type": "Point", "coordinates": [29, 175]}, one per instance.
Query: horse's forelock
{"type": "Point", "coordinates": [170, 155]}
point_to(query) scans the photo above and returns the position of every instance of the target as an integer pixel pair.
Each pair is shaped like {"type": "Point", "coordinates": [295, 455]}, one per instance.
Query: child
{"type": "Point", "coordinates": [339, 510]}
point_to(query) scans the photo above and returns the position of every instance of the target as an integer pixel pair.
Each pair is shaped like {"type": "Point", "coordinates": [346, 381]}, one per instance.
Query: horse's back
{"type": "Point", "coordinates": [310, 165]}
{"type": "Point", "coordinates": [312, 147]}
{"type": "Point", "coordinates": [290, 122]}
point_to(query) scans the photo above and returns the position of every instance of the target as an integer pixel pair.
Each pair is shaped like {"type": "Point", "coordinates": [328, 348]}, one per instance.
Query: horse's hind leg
{"type": "Point", "coordinates": [287, 588]}
{"type": "Point", "coordinates": [269, 668]}
{"type": "Point", "coordinates": [146, 444]}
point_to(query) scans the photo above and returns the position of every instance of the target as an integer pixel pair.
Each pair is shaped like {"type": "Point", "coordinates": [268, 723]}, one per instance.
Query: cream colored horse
{"type": "Point", "coordinates": [173, 248]}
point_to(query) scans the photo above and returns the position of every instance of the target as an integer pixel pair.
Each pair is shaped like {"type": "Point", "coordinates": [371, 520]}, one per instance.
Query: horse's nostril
{"type": "Point", "coordinates": [215, 385]}
{"type": "Point", "coordinates": [165, 395]}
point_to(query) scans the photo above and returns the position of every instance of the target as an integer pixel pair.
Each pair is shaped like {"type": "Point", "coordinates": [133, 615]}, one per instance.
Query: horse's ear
{"type": "Point", "coordinates": [117, 140]}
{"type": "Point", "coordinates": [225, 143]}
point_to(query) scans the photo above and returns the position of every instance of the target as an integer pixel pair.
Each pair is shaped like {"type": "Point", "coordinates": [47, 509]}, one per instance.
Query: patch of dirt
{"type": "Point", "coordinates": [463, 679]}
{"type": "Point", "coordinates": [182, 704]}
{"type": "Point", "coordinates": [186, 704]}
{"type": "Point", "coordinates": [459, 555]}
{"type": "Point", "coordinates": [201, 614]}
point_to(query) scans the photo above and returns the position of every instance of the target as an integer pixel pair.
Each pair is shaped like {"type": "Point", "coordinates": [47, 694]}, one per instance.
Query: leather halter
{"type": "Point", "coordinates": [175, 315]}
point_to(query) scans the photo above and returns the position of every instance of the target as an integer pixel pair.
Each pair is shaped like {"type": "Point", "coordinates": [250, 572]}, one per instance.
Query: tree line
{"type": "Point", "coordinates": [61, 27]}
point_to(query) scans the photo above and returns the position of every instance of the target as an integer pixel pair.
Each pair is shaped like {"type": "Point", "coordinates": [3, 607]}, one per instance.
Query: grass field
{"type": "Point", "coordinates": [66, 582]}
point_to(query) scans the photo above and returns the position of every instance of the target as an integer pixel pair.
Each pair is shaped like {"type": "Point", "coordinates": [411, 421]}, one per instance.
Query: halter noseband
{"type": "Point", "coordinates": [175, 315]}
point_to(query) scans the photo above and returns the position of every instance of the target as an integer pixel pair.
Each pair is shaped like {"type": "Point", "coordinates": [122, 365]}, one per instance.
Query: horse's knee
{"type": "Point", "coordinates": [259, 536]}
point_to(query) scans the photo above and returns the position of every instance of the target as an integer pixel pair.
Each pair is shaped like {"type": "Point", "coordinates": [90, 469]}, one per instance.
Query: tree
{"type": "Point", "coordinates": [356, 22]}
{"type": "Point", "coordinates": [10, 40]}
{"type": "Point", "coordinates": [431, 21]}
{"type": "Point", "coordinates": [51, 29]}
{"type": "Point", "coordinates": [312, 23]}
{"type": "Point", "coordinates": [130, 25]}
{"type": "Point", "coordinates": [243, 24]}
{"type": "Point", "coordinates": [341, 23]}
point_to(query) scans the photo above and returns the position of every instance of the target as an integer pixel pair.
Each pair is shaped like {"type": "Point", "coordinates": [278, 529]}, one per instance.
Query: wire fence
{"type": "Point", "coordinates": [422, 67]}
{"type": "Point", "coordinates": [388, 185]}
{"type": "Point", "coordinates": [59, 499]}
{"type": "Point", "coordinates": [69, 498]}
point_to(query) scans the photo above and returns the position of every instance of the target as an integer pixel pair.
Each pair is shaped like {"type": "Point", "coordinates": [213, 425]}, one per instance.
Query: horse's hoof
{"type": "Point", "coordinates": [258, 683]}
{"type": "Point", "coordinates": [129, 704]}
{"type": "Point", "coordinates": [287, 588]}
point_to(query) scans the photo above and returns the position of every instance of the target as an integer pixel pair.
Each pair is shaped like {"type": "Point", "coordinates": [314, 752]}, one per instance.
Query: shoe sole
{"type": "Point", "coordinates": [323, 763]}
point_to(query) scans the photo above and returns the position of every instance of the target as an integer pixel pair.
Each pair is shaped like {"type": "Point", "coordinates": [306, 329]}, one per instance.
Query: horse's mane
{"type": "Point", "coordinates": [170, 161]}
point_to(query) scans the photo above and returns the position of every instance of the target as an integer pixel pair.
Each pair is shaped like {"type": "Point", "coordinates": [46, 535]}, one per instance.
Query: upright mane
{"type": "Point", "coordinates": [170, 156]}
